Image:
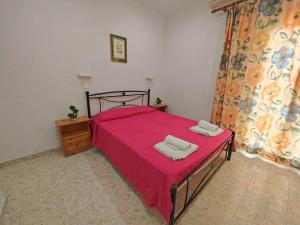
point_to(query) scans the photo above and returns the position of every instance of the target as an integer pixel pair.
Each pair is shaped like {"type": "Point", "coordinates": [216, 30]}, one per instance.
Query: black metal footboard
{"type": "Point", "coordinates": [205, 170]}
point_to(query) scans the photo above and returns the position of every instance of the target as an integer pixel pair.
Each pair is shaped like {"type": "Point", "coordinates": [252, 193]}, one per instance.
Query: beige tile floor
{"type": "Point", "coordinates": [84, 190]}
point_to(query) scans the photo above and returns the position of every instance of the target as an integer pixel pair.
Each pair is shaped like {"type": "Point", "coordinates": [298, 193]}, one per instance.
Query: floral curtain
{"type": "Point", "coordinates": [258, 84]}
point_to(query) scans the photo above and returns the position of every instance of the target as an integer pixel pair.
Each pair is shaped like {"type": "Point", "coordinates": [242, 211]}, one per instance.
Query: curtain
{"type": "Point", "coordinates": [216, 4]}
{"type": "Point", "coordinates": [258, 84]}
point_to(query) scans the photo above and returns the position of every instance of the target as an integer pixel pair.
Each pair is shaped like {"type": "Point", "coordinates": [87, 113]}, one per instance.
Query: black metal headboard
{"type": "Point", "coordinates": [112, 98]}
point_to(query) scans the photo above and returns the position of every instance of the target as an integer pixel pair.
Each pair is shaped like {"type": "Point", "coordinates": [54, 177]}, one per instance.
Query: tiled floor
{"type": "Point", "coordinates": [84, 189]}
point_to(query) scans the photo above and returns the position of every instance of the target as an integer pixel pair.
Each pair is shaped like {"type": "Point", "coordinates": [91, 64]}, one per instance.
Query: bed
{"type": "Point", "coordinates": [126, 136]}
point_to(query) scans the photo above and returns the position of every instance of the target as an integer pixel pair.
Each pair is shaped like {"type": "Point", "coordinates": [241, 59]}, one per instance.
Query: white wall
{"type": "Point", "coordinates": [193, 48]}
{"type": "Point", "coordinates": [45, 43]}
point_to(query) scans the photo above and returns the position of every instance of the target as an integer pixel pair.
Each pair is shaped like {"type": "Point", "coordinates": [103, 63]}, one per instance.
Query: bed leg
{"type": "Point", "coordinates": [231, 146]}
{"type": "Point", "coordinates": [173, 194]}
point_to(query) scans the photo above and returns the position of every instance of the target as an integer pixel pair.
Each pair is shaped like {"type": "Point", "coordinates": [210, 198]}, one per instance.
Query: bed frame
{"type": "Point", "coordinates": [188, 189]}
{"type": "Point", "coordinates": [117, 97]}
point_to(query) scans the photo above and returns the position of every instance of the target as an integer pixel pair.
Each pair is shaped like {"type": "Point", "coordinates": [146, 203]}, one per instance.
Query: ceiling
{"type": "Point", "coordinates": [166, 6]}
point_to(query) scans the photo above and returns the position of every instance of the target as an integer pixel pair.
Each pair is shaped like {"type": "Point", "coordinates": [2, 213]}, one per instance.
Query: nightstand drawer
{"type": "Point", "coordinates": [77, 140]}
{"type": "Point", "coordinates": [76, 148]}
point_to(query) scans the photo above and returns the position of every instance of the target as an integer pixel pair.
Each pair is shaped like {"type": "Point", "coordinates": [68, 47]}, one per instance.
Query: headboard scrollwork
{"type": "Point", "coordinates": [121, 98]}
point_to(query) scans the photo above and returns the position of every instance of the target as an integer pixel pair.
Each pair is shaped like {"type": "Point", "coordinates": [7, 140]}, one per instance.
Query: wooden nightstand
{"type": "Point", "coordinates": [75, 135]}
{"type": "Point", "coordinates": [160, 107]}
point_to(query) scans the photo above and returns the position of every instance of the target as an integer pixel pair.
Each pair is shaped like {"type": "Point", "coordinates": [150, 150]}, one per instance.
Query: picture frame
{"type": "Point", "coordinates": [118, 47]}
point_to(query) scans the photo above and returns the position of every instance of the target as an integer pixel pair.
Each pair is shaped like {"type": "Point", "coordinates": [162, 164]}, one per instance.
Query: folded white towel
{"type": "Point", "coordinates": [175, 148]}
{"type": "Point", "coordinates": [173, 153]}
{"type": "Point", "coordinates": [205, 132]}
{"type": "Point", "coordinates": [208, 126]}
{"type": "Point", "coordinates": [179, 144]}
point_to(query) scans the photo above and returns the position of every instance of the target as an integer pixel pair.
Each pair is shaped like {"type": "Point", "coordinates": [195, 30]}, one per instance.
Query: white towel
{"type": "Point", "coordinates": [179, 144]}
{"type": "Point", "coordinates": [208, 126]}
{"type": "Point", "coordinates": [171, 152]}
{"type": "Point", "coordinates": [205, 132]}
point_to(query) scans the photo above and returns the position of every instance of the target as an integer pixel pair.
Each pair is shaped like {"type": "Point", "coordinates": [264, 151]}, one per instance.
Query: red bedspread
{"type": "Point", "coordinates": [127, 140]}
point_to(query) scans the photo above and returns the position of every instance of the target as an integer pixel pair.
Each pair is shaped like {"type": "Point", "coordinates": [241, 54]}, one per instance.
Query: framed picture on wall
{"type": "Point", "coordinates": [118, 46]}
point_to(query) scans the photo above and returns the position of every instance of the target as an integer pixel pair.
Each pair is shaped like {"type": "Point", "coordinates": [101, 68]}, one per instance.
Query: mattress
{"type": "Point", "coordinates": [127, 136]}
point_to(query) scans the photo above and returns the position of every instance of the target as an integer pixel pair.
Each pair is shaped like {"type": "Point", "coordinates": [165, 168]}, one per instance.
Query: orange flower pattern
{"type": "Point", "coordinates": [258, 86]}
{"type": "Point", "coordinates": [241, 130]}
{"type": "Point", "coordinates": [292, 17]}
{"type": "Point", "coordinates": [230, 115]}
{"type": "Point", "coordinates": [255, 75]}
{"type": "Point", "coordinates": [216, 113]}
{"type": "Point", "coordinates": [219, 88]}
{"type": "Point", "coordinates": [233, 89]}
{"type": "Point", "coordinates": [279, 142]}
{"type": "Point", "coordinates": [270, 91]}
{"type": "Point", "coordinates": [264, 123]}
{"type": "Point", "coordinates": [244, 30]}
{"type": "Point", "coordinates": [260, 41]}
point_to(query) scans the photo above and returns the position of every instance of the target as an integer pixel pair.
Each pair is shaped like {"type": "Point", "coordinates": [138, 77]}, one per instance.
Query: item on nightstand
{"type": "Point", "coordinates": [74, 112]}
{"type": "Point", "coordinates": [158, 101]}
{"type": "Point", "coordinates": [75, 135]}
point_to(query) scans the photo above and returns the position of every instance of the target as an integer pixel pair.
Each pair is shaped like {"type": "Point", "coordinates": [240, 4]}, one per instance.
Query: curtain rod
{"type": "Point", "coordinates": [227, 6]}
